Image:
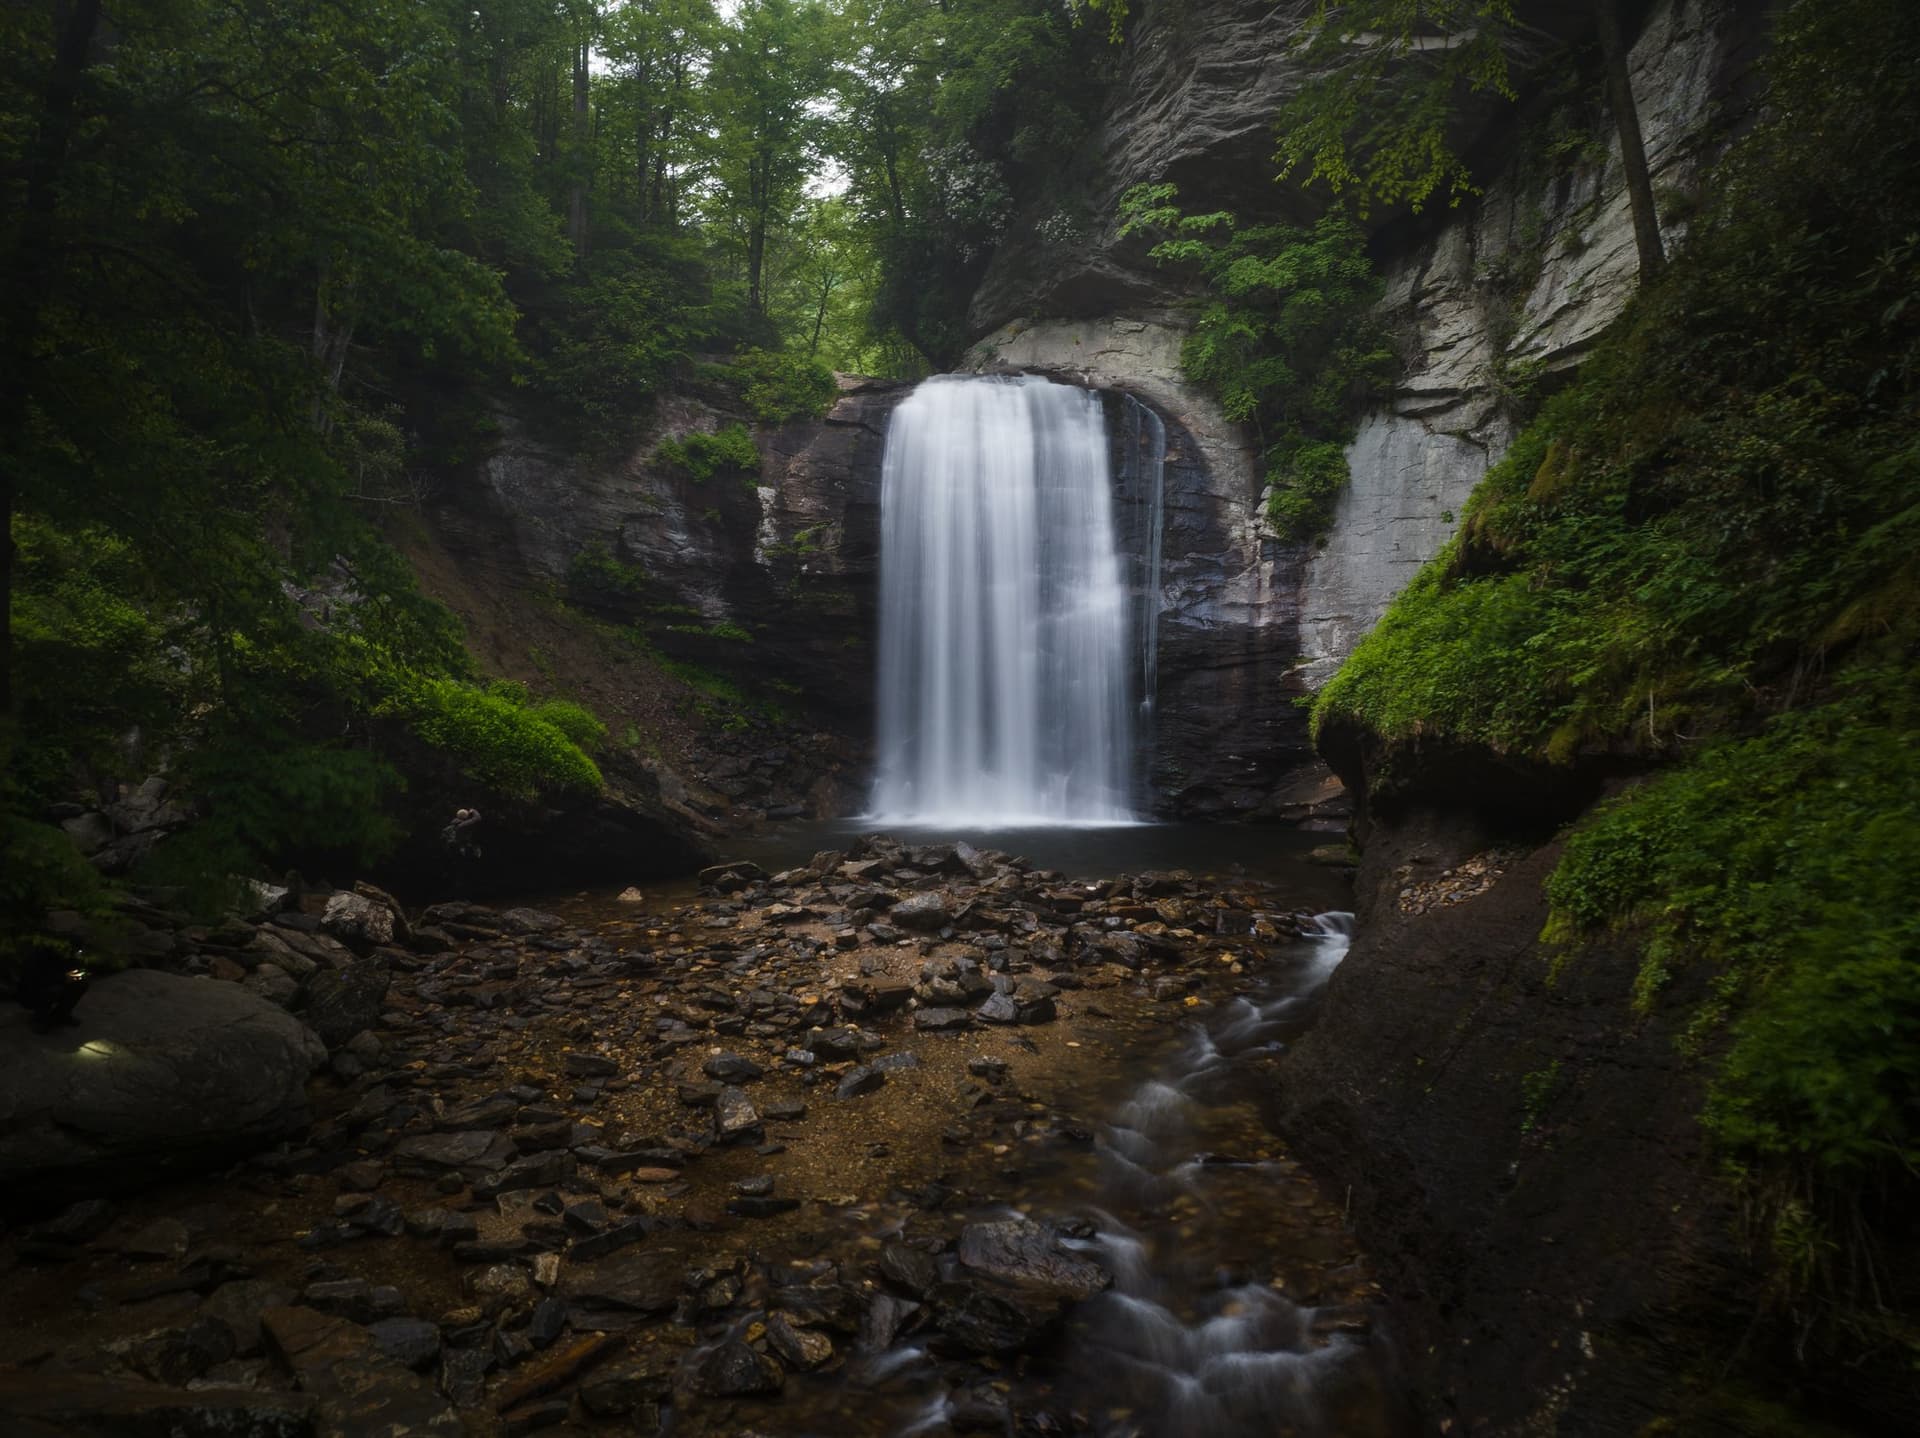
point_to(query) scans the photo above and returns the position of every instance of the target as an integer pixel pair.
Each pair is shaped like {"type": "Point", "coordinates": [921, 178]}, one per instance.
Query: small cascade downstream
{"type": "Point", "coordinates": [1206, 1331]}
{"type": "Point", "coordinates": [1007, 684]}
{"type": "Point", "coordinates": [1186, 1343]}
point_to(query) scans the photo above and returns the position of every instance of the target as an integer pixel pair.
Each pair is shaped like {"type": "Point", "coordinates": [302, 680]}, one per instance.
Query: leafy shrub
{"type": "Point", "coordinates": [701, 455]}
{"type": "Point", "coordinates": [1287, 339]}
{"type": "Point", "coordinates": [782, 385]}
{"type": "Point", "coordinates": [597, 572]}
{"type": "Point", "coordinates": [580, 724]}
{"type": "Point", "coordinates": [501, 742]}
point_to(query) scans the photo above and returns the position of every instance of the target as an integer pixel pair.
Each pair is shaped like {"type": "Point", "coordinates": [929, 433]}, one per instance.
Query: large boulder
{"type": "Point", "coordinates": [163, 1072]}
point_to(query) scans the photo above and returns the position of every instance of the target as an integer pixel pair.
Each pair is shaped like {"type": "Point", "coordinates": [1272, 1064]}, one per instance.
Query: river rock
{"type": "Point", "coordinates": [857, 1081]}
{"type": "Point", "coordinates": [165, 1072]}
{"type": "Point", "coordinates": [239, 1305]}
{"type": "Point", "coordinates": [942, 1020]}
{"type": "Point", "coordinates": [734, 1115]}
{"type": "Point", "coordinates": [732, 1068]}
{"type": "Point", "coordinates": [411, 1342]}
{"type": "Point", "coordinates": [471, 1149]}
{"type": "Point", "coordinates": [641, 1282]}
{"type": "Point", "coordinates": [357, 1389]}
{"type": "Point", "coordinates": [925, 912]}
{"type": "Point", "coordinates": [911, 1269]}
{"type": "Point", "coordinates": [340, 1003]}
{"type": "Point", "coordinates": [1027, 1254]}
{"type": "Point", "coordinates": [530, 921]}
{"type": "Point", "coordinates": [733, 1370]}
{"type": "Point", "coordinates": [799, 1348]}
{"type": "Point", "coordinates": [730, 878]}
{"type": "Point", "coordinates": [972, 1320]}
{"type": "Point", "coordinates": [361, 923]}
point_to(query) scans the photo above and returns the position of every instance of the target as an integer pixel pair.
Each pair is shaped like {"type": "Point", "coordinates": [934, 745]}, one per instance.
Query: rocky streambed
{"type": "Point", "coordinates": [910, 1139]}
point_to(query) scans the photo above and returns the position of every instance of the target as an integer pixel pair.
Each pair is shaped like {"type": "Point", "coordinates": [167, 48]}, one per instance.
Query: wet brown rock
{"type": "Point", "coordinates": [641, 1282]}
{"type": "Point", "coordinates": [53, 1404]}
{"type": "Point", "coordinates": [1028, 1254]}
{"type": "Point", "coordinates": [559, 1368]}
{"type": "Point", "coordinates": [799, 1348]}
{"type": "Point", "coordinates": [357, 1390]}
{"type": "Point", "coordinates": [733, 1370]}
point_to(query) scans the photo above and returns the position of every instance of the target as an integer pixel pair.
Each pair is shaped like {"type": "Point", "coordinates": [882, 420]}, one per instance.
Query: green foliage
{"type": "Point", "coordinates": [612, 336]}
{"type": "Point", "coordinates": [1782, 860]}
{"type": "Point", "coordinates": [1287, 339]}
{"type": "Point", "coordinates": [581, 725]}
{"type": "Point", "coordinates": [499, 740]}
{"type": "Point", "coordinates": [1537, 1090]}
{"type": "Point", "coordinates": [779, 385]}
{"type": "Point", "coordinates": [947, 113]}
{"type": "Point", "coordinates": [1702, 554]}
{"type": "Point", "coordinates": [725, 629]}
{"type": "Point", "coordinates": [596, 572]}
{"type": "Point", "coordinates": [701, 456]}
{"type": "Point", "coordinates": [269, 792]}
{"type": "Point", "coordinates": [1385, 83]}
{"type": "Point", "coordinates": [39, 870]}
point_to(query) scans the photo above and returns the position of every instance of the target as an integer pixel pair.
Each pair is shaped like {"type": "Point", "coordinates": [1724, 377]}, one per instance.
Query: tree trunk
{"type": "Point", "coordinates": [1633, 150]}
{"type": "Point", "coordinates": [30, 276]}
{"type": "Point", "coordinates": [759, 202]}
{"type": "Point", "coordinates": [827, 286]}
{"type": "Point", "coordinates": [577, 196]}
{"type": "Point", "coordinates": [756, 258]}
{"type": "Point", "coordinates": [333, 323]}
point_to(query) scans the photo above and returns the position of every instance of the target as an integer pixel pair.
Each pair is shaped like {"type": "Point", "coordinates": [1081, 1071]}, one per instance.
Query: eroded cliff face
{"type": "Point", "coordinates": [1488, 307]}
{"type": "Point", "coordinates": [722, 628]}
{"type": "Point", "coordinates": [1506, 302]}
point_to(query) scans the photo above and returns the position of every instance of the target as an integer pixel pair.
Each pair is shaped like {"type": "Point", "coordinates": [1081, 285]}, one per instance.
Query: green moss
{"type": "Point", "coordinates": [1700, 556]}
{"type": "Point", "coordinates": [725, 629]}
{"type": "Point", "coordinates": [1784, 861]}
{"type": "Point", "coordinates": [701, 456]}
{"type": "Point", "coordinates": [502, 742]}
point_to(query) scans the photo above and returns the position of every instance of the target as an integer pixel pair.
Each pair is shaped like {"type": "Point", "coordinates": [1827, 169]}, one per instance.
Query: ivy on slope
{"type": "Point", "coordinates": [1702, 555]}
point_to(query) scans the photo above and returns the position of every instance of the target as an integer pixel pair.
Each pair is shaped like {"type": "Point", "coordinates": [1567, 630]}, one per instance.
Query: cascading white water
{"type": "Point", "coordinates": [1004, 664]}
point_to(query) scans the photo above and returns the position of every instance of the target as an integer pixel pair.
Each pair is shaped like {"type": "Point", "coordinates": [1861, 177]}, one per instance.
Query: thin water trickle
{"type": "Point", "coordinates": [1181, 1346]}
{"type": "Point", "coordinates": [1005, 675]}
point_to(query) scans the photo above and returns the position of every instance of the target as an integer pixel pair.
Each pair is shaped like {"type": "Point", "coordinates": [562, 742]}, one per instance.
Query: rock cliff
{"type": "Point", "coordinates": [1490, 304]}
{"type": "Point", "coordinates": [721, 627]}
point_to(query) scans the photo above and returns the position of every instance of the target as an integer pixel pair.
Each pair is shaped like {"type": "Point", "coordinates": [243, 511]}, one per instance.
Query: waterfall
{"type": "Point", "coordinates": [1146, 466]}
{"type": "Point", "coordinates": [1005, 674]}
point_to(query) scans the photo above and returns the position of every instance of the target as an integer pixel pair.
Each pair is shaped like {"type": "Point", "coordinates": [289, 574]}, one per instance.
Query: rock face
{"type": "Point", "coordinates": [788, 556]}
{"type": "Point", "coordinates": [1510, 294]}
{"type": "Point", "coordinates": [758, 587]}
{"type": "Point", "coordinates": [163, 1070]}
{"type": "Point", "coordinates": [1527, 1166]}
